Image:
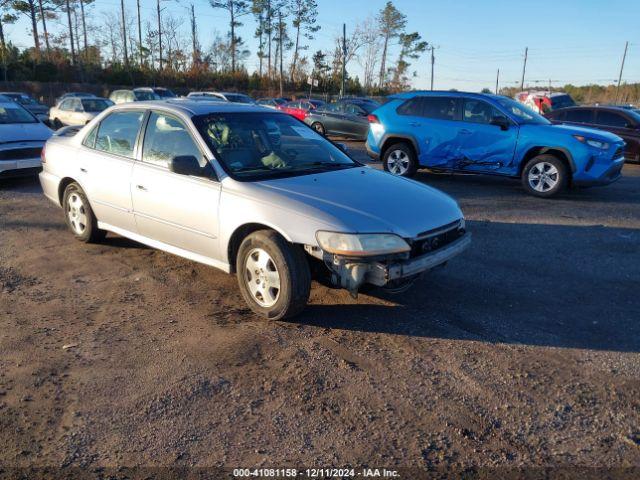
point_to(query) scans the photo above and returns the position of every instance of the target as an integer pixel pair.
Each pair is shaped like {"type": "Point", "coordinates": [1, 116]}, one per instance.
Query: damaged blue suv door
{"type": "Point", "coordinates": [490, 134]}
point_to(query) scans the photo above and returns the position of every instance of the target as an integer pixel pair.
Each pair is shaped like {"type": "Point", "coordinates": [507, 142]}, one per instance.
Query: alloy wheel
{"type": "Point", "coordinates": [77, 213]}
{"type": "Point", "coordinates": [398, 162]}
{"type": "Point", "coordinates": [543, 177]}
{"type": "Point", "coordinates": [262, 277]}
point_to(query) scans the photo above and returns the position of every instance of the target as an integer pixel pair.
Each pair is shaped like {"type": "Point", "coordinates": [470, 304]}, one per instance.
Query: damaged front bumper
{"type": "Point", "coordinates": [352, 273]}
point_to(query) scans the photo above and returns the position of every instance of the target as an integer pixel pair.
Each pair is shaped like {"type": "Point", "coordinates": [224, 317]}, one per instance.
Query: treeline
{"type": "Point", "coordinates": [121, 47]}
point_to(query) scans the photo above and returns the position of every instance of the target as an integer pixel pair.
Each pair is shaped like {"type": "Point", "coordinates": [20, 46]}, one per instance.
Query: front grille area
{"type": "Point", "coordinates": [20, 153]}
{"type": "Point", "coordinates": [428, 242]}
{"type": "Point", "coordinates": [619, 152]}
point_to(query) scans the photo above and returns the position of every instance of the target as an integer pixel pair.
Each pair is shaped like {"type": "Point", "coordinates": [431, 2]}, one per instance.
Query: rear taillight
{"type": "Point", "coordinates": [43, 158]}
{"type": "Point", "coordinates": [306, 113]}
{"type": "Point", "coordinates": [373, 119]}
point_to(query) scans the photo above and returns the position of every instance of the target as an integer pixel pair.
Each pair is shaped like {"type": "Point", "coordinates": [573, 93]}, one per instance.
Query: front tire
{"type": "Point", "coordinates": [79, 216]}
{"type": "Point", "coordinates": [318, 127]}
{"type": "Point", "coordinates": [273, 275]}
{"type": "Point", "coordinates": [545, 176]}
{"type": "Point", "coordinates": [399, 159]}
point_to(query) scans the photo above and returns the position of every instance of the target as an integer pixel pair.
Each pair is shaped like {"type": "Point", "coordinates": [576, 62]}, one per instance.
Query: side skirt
{"type": "Point", "coordinates": [225, 267]}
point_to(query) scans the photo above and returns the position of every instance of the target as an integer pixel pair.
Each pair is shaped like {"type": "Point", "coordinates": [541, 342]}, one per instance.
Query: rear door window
{"type": "Point", "coordinates": [579, 115]}
{"type": "Point", "coordinates": [440, 108]}
{"type": "Point", "coordinates": [118, 132]}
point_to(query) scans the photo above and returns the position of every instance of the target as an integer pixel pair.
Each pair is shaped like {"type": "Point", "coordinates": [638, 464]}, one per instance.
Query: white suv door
{"type": "Point", "coordinates": [179, 210]}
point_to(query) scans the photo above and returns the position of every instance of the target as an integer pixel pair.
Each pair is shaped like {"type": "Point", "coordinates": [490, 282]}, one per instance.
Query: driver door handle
{"type": "Point", "coordinates": [83, 170]}
{"type": "Point", "coordinates": [464, 131]}
{"type": "Point", "coordinates": [415, 124]}
{"type": "Point", "coordinates": [141, 187]}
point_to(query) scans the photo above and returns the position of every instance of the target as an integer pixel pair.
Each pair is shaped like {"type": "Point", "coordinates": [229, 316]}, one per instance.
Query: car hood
{"type": "Point", "coordinates": [362, 200]}
{"type": "Point", "coordinates": [585, 131]}
{"type": "Point", "coordinates": [24, 132]}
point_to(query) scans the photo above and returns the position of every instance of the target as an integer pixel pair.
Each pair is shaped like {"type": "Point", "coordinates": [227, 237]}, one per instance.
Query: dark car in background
{"type": "Point", "coordinates": [624, 122]}
{"type": "Point", "coordinates": [40, 110]}
{"type": "Point", "coordinates": [347, 118]}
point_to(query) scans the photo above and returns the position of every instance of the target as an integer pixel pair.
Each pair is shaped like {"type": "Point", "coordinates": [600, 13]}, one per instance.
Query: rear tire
{"type": "Point", "coordinates": [545, 176]}
{"type": "Point", "coordinates": [399, 159]}
{"type": "Point", "coordinates": [273, 275]}
{"type": "Point", "coordinates": [79, 216]}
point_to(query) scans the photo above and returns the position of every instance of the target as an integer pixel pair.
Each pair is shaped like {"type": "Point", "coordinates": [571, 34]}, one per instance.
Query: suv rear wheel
{"type": "Point", "coordinates": [273, 275]}
{"type": "Point", "coordinates": [544, 176]}
{"type": "Point", "coordinates": [399, 159]}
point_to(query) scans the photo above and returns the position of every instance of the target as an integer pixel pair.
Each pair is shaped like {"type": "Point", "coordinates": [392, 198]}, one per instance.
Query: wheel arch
{"type": "Point", "coordinates": [390, 139]}
{"type": "Point", "coordinates": [62, 186]}
{"type": "Point", "coordinates": [559, 152]}
{"type": "Point", "coordinates": [243, 231]}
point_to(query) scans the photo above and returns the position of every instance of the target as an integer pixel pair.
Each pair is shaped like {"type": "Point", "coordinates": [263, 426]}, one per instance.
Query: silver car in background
{"type": "Point", "coordinates": [77, 111]}
{"type": "Point", "coordinates": [250, 191]}
{"type": "Point", "coordinates": [22, 137]}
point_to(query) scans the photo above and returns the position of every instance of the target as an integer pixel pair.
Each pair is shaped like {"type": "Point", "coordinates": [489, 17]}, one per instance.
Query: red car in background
{"type": "Point", "coordinates": [300, 108]}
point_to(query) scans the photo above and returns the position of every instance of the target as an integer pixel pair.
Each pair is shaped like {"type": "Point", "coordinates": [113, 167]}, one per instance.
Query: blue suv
{"type": "Point", "coordinates": [490, 134]}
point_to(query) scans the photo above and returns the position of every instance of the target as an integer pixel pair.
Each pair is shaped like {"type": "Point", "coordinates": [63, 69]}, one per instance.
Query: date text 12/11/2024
{"type": "Point", "coordinates": [315, 473]}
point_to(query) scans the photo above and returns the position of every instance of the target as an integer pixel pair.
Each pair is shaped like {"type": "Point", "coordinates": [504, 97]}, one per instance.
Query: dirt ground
{"type": "Point", "coordinates": [525, 351]}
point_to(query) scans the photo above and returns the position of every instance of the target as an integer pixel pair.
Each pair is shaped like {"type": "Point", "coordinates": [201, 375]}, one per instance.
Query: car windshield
{"type": "Point", "coordinates": [145, 95]}
{"type": "Point", "coordinates": [238, 98]}
{"type": "Point", "coordinates": [95, 105]}
{"type": "Point", "coordinates": [165, 93]}
{"type": "Point", "coordinates": [15, 114]}
{"type": "Point", "coordinates": [522, 113]}
{"type": "Point", "coordinates": [259, 146]}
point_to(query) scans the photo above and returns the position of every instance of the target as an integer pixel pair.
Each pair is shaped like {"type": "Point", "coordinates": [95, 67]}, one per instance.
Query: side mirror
{"type": "Point", "coordinates": [501, 122]}
{"type": "Point", "coordinates": [342, 147]}
{"type": "Point", "coordinates": [185, 165]}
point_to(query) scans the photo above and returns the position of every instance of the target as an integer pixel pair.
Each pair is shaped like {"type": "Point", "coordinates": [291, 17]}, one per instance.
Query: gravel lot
{"type": "Point", "coordinates": [525, 351]}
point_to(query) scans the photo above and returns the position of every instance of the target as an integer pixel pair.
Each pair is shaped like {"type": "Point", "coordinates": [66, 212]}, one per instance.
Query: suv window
{"type": "Point", "coordinates": [579, 115]}
{"type": "Point", "coordinates": [165, 138]}
{"type": "Point", "coordinates": [438, 108]}
{"type": "Point", "coordinates": [611, 119]}
{"type": "Point", "coordinates": [412, 107]}
{"type": "Point", "coordinates": [118, 132]}
{"type": "Point", "coordinates": [477, 111]}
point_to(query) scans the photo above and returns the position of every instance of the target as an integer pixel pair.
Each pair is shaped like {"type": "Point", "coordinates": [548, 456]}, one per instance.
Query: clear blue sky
{"type": "Point", "coordinates": [570, 41]}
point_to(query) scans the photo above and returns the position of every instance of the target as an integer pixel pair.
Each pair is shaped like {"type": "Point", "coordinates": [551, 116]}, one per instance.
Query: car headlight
{"type": "Point", "coordinates": [361, 244]}
{"type": "Point", "coordinates": [592, 142]}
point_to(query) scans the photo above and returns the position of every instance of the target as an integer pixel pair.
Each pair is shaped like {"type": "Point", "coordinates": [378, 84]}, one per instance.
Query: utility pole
{"type": "Point", "coordinates": [139, 34]}
{"type": "Point", "coordinates": [433, 61]}
{"type": "Point", "coordinates": [124, 35]}
{"type": "Point", "coordinates": [280, 47]}
{"type": "Point", "coordinates": [194, 36]}
{"type": "Point", "coordinates": [524, 67]}
{"type": "Point", "coordinates": [344, 59]}
{"type": "Point", "coordinates": [624, 57]}
{"type": "Point", "coordinates": [497, 81]}
{"type": "Point", "coordinates": [159, 36]}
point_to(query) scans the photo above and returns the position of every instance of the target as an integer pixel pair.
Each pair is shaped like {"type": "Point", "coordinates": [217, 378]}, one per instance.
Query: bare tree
{"type": "Point", "coordinates": [370, 53]}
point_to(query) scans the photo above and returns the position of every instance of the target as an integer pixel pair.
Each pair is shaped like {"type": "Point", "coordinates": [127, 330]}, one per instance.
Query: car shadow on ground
{"type": "Point", "coordinates": [539, 285]}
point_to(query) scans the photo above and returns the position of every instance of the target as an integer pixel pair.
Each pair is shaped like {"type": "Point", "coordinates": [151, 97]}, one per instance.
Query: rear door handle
{"type": "Point", "coordinates": [415, 124]}
{"type": "Point", "coordinates": [464, 131]}
{"type": "Point", "coordinates": [83, 170]}
{"type": "Point", "coordinates": [141, 187]}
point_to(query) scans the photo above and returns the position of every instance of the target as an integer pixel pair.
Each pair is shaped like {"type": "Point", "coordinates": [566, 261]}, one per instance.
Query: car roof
{"type": "Point", "coordinates": [192, 108]}
{"type": "Point", "coordinates": [14, 93]}
{"type": "Point", "coordinates": [446, 93]}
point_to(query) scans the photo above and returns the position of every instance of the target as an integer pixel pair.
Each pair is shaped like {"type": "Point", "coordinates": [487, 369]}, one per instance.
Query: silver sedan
{"type": "Point", "coordinates": [250, 191]}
